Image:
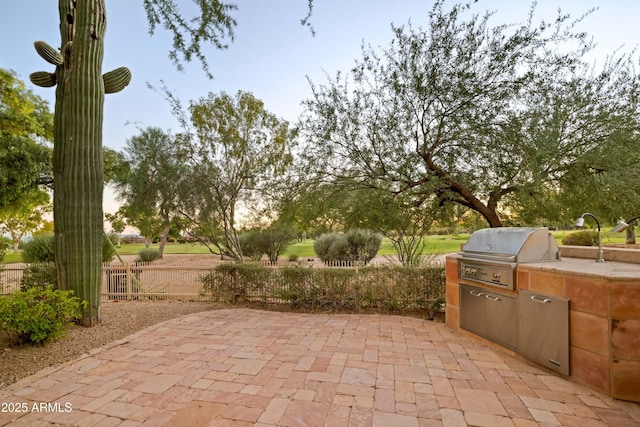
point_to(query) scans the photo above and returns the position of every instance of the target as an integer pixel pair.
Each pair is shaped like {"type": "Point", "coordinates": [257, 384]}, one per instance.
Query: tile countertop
{"type": "Point", "coordinates": [612, 270]}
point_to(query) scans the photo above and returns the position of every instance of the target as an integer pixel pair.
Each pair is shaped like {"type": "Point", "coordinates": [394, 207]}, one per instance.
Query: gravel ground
{"type": "Point", "coordinates": [118, 321]}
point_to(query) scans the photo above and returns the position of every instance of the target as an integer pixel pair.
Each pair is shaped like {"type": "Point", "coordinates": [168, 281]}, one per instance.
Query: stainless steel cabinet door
{"type": "Point", "coordinates": [543, 330]}
{"type": "Point", "coordinates": [492, 315]}
{"type": "Point", "coordinates": [502, 318]}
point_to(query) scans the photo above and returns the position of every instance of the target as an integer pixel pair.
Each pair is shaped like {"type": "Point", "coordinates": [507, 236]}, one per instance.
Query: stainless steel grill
{"type": "Point", "coordinates": [491, 255]}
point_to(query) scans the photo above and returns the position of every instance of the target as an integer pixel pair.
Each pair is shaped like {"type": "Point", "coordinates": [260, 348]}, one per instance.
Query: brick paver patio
{"type": "Point", "coordinates": [242, 367]}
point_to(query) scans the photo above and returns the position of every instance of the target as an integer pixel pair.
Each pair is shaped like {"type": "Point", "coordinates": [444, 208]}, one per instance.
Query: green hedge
{"type": "Point", "coordinates": [383, 289]}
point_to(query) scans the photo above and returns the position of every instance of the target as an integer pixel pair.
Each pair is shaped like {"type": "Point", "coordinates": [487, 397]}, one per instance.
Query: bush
{"type": "Point", "coordinates": [250, 244]}
{"type": "Point", "coordinates": [581, 238]}
{"type": "Point", "coordinates": [38, 249]}
{"type": "Point", "coordinates": [39, 254]}
{"type": "Point", "coordinates": [384, 289]}
{"type": "Point", "coordinates": [3, 248]}
{"type": "Point", "coordinates": [293, 257]}
{"type": "Point", "coordinates": [38, 315]}
{"type": "Point", "coordinates": [353, 246]}
{"type": "Point", "coordinates": [274, 241]}
{"type": "Point", "coordinates": [322, 245]}
{"type": "Point", "coordinates": [234, 283]}
{"type": "Point", "coordinates": [364, 245]}
{"type": "Point", "coordinates": [41, 275]}
{"type": "Point", "coordinates": [148, 255]}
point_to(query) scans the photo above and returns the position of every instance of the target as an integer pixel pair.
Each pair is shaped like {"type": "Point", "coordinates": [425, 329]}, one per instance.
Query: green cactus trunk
{"type": "Point", "coordinates": [78, 173]}
{"type": "Point", "coordinates": [77, 153]}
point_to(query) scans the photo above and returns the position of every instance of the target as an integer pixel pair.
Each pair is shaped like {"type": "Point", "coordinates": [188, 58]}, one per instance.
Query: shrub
{"type": "Point", "coordinates": [274, 241]}
{"type": "Point", "coordinates": [383, 289]}
{"type": "Point", "coordinates": [38, 249]}
{"type": "Point", "coordinates": [3, 248]}
{"type": "Point", "coordinates": [364, 245]}
{"type": "Point", "coordinates": [581, 238]}
{"type": "Point", "coordinates": [148, 255]}
{"type": "Point", "coordinates": [41, 275]}
{"type": "Point", "coordinates": [293, 257]}
{"type": "Point", "coordinates": [39, 254]}
{"type": "Point", "coordinates": [250, 244]}
{"type": "Point", "coordinates": [353, 246]}
{"type": "Point", "coordinates": [38, 315]}
{"type": "Point", "coordinates": [322, 245]}
{"type": "Point", "coordinates": [235, 282]}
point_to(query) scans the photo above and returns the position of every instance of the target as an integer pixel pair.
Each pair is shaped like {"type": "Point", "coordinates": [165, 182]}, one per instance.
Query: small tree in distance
{"type": "Point", "coordinates": [274, 241]}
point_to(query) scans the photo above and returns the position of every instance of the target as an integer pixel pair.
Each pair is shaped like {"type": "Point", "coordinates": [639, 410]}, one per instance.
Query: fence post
{"type": "Point", "coordinates": [128, 276]}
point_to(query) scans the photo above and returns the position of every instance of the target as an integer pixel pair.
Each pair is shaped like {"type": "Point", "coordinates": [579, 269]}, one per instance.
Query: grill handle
{"type": "Point", "coordinates": [476, 293]}
{"type": "Point", "coordinates": [493, 298]}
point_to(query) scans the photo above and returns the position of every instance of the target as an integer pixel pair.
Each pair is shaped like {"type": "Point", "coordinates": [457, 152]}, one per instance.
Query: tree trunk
{"type": "Point", "coordinates": [630, 236]}
{"type": "Point", "coordinates": [163, 239]}
{"type": "Point", "coordinates": [77, 157]}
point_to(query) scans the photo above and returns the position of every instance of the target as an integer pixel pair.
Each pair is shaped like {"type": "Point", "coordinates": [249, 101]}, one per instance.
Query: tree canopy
{"type": "Point", "coordinates": [493, 118]}
{"type": "Point", "coordinates": [149, 181]}
{"type": "Point", "coordinates": [26, 125]}
{"type": "Point", "coordinates": [234, 150]}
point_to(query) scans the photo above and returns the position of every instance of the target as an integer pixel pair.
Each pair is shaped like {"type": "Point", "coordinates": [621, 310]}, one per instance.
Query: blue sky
{"type": "Point", "coordinates": [272, 54]}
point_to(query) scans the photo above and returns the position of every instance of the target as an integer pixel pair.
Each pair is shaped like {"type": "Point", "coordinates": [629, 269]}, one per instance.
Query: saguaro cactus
{"type": "Point", "coordinates": [77, 151]}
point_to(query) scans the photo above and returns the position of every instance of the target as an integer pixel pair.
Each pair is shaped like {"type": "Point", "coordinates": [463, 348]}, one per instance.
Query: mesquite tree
{"type": "Point", "coordinates": [494, 119]}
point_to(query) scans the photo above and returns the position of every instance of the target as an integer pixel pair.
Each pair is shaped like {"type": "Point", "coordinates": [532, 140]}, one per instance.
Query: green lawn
{"type": "Point", "coordinates": [435, 245]}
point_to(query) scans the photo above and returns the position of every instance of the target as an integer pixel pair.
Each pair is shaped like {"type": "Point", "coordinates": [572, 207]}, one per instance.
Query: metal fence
{"type": "Point", "coordinates": [10, 277]}
{"type": "Point", "coordinates": [307, 282]}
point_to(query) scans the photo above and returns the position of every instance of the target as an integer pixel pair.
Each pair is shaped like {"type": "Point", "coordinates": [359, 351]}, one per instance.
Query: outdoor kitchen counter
{"type": "Point", "coordinates": [604, 301]}
{"type": "Point", "coordinates": [588, 267]}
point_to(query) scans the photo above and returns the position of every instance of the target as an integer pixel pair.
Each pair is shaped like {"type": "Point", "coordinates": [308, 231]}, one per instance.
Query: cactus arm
{"type": "Point", "coordinates": [48, 53]}
{"type": "Point", "coordinates": [116, 80]}
{"type": "Point", "coordinates": [43, 79]}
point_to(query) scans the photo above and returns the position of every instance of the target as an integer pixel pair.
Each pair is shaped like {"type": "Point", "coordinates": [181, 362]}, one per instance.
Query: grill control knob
{"type": "Point", "coordinates": [496, 276]}
{"type": "Point", "coordinates": [470, 271]}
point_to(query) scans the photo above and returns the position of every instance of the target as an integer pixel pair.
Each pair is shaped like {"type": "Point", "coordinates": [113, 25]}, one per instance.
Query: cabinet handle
{"type": "Point", "coordinates": [475, 293]}
{"type": "Point", "coordinates": [536, 299]}
{"type": "Point", "coordinates": [494, 298]}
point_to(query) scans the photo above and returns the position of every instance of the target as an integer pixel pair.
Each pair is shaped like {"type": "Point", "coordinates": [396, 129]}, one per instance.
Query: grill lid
{"type": "Point", "coordinates": [519, 244]}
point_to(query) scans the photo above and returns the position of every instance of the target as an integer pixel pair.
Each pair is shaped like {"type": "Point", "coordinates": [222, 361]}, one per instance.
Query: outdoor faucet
{"type": "Point", "coordinates": [580, 223]}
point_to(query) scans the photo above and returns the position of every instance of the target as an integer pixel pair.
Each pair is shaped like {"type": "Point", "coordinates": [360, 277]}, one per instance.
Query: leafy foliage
{"type": "Point", "coordinates": [250, 244]}
{"type": "Point", "coordinates": [25, 123]}
{"type": "Point", "coordinates": [581, 238]}
{"type": "Point", "coordinates": [39, 252]}
{"type": "Point", "coordinates": [214, 25]}
{"type": "Point", "coordinates": [494, 119]}
{"type": "Point", "coordinates": [148, 255]}
{"type": "Point", "coordinates": [38, 314]}
{"type": "Point", "coordinates": [233, 283]}
{"type": "Point", "coordinates": [149, 182]}
{"type": "Point", "coordinates": [352, 246]}
{"type": "Point", "coordinates": [383, 289]}
{"type": "Point", "coordinates": [38, 249]}
{"type": "Point", "coordinates": [39, 275]}
{"type": "Point", "coordinates": [3, 248]}
{"type": "Point", "coordinates": [235, 149]}
{"type": "Point", "coordinates": [274, 241]}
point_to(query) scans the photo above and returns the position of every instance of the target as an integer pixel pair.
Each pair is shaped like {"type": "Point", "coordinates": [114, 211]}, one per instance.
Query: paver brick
{"type": "Point", "coordinates": [244, 367]}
